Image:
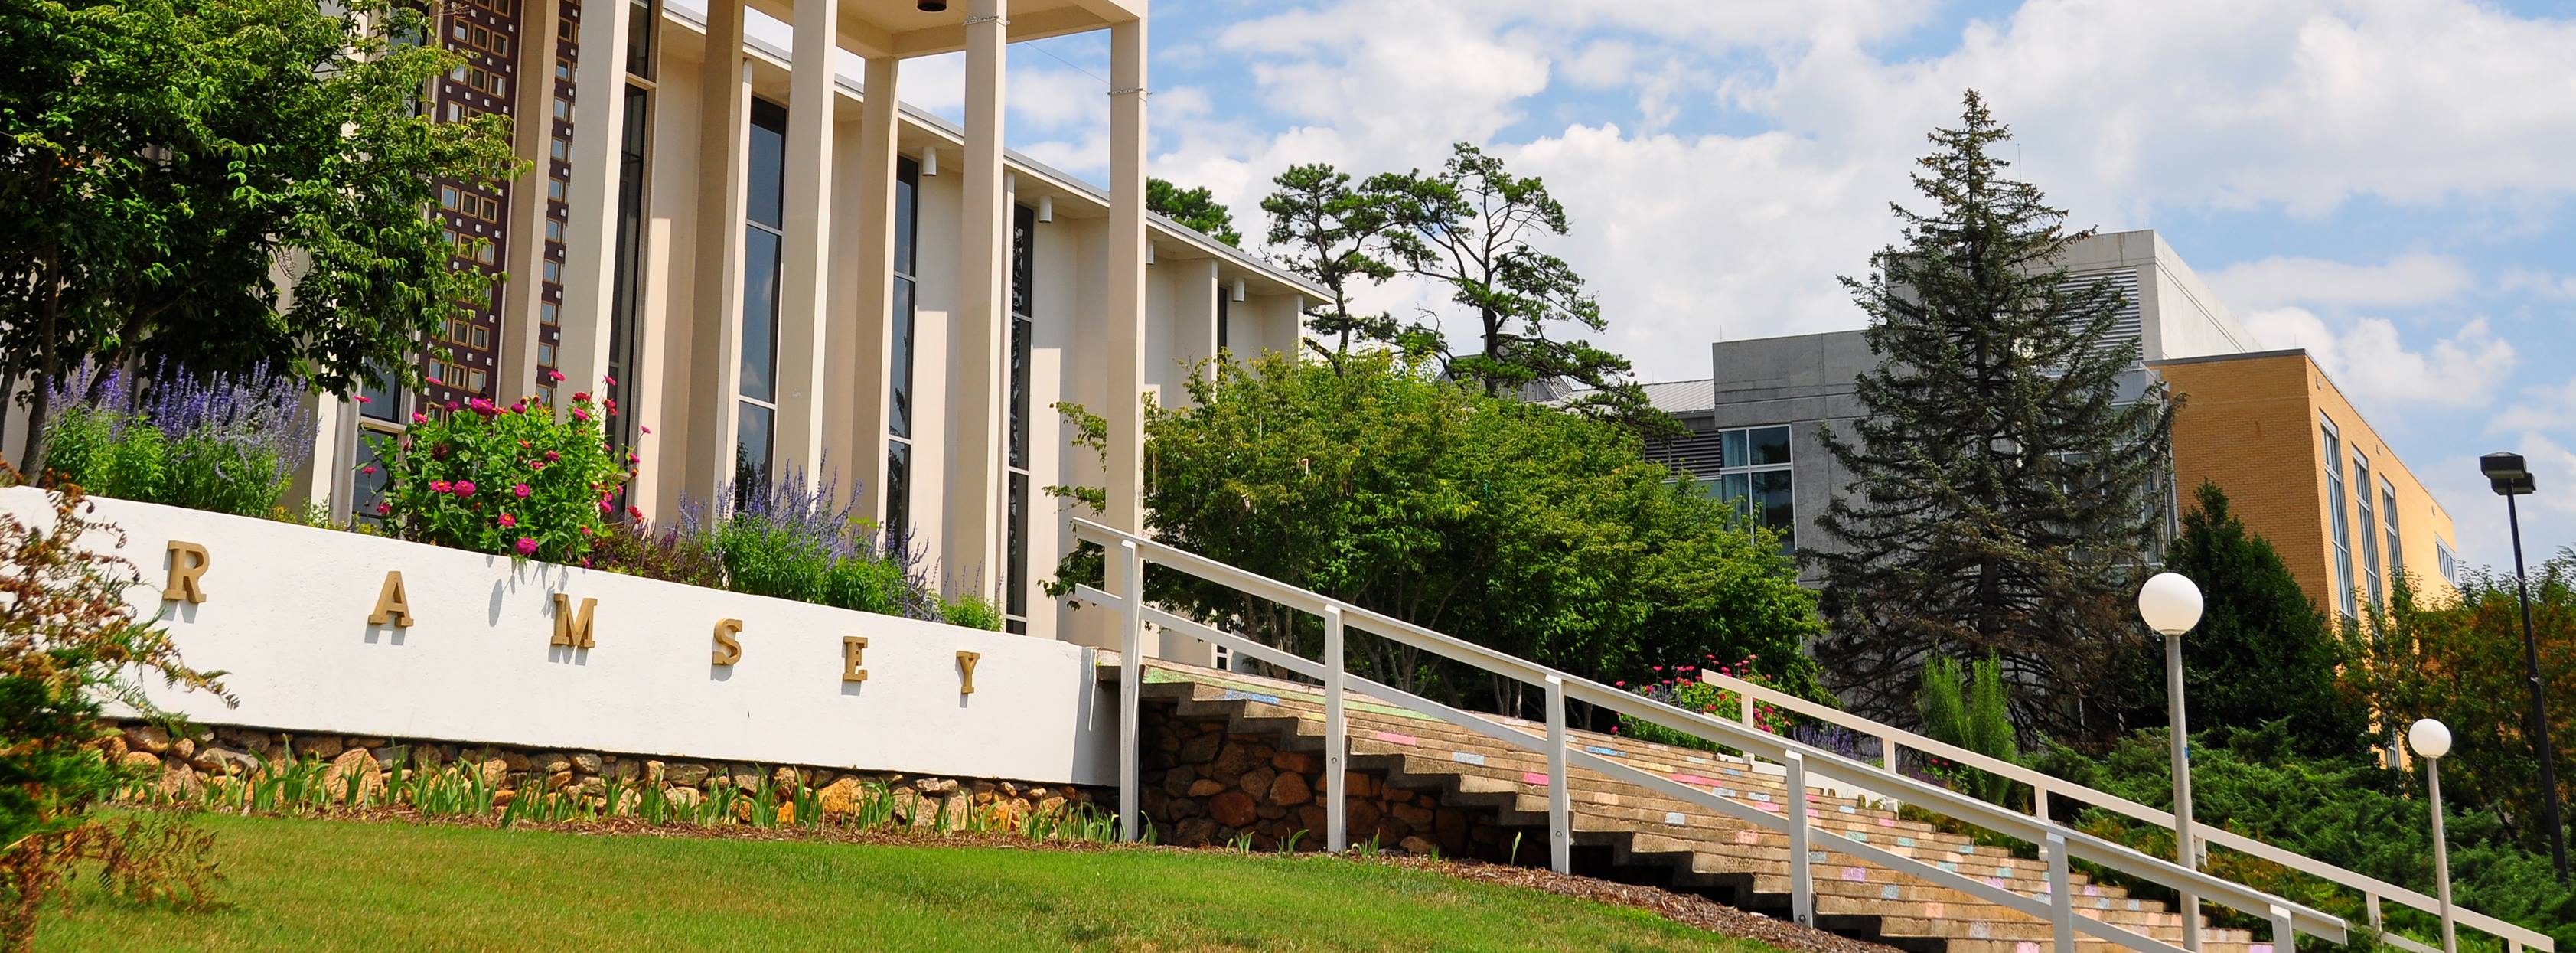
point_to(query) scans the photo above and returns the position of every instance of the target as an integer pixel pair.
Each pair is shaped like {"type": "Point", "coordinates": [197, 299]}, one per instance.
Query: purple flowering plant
{"type": "Point", "coordinates": [509, 480]}
{"type": "Point", "coordinates": [226, 443]}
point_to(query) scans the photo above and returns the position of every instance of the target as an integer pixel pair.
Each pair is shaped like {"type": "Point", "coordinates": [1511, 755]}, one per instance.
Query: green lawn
{"type": "Point", "coordinates": [314, 885]}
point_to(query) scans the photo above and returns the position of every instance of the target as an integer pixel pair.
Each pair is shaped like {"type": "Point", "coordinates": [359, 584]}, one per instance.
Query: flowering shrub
{"type": "Point", "coordinates": [1680, 687]}
{"type": "Point", "coordinates": [224, 443]}
{"type": "Point", "coordinates": [792, 539]}
{"type": "Point", "coordinates": [511, 481]}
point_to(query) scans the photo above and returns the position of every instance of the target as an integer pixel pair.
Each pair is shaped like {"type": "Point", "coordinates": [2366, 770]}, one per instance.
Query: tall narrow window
{"type": "Point", "coordinates": [764, 234]}
{"type": "Point", "coordinates": [1015, 488]}
{"type": "Point", "coordinates": [1224, 330]}
{"type": "Point", "coordinates": [898, 482]}
{"type": "Point", "coordinates": [626, 306]}
{"type": "Point", "coordinates": [2339, 529]}
{"type": "Point", "coordinates": [2369, 529]}
{"type": "Point", "coordinates": [2388, 521]}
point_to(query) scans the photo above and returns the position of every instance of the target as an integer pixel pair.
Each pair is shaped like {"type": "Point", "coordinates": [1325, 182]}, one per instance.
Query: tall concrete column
{"type": "Point", "coordinates": [715, 369]}
{"type": "Point", "coordinates": [975, 372]}
{"type": "Point", "coordinates": [531, 135]}
{"type": "Point", "coordinates": [873, 261]}
{"type": "Point", "coordinates": [1124, 358]}
{"type": "Point", "coordinates": [590, 235]}
{"type": "Point", "coordinates": [804, 275]}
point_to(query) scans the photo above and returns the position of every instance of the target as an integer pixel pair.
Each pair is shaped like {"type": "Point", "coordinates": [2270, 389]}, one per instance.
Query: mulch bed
{"type": "Point", "coordinates": [1686, 909]}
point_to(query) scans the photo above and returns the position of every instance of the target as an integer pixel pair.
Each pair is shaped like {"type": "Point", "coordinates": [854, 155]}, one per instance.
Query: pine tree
{"type": "Point", "coordinates": [2261, 653]}
{"type": "Point", "coordinates": [2000, 502]}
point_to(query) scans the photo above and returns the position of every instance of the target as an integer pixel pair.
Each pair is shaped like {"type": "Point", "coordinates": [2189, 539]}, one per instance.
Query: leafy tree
{"type": "Point", "coordinates": [1196, 209]}
{"type": "Point", "coordinates": [175, 171]}
{"type": "Point", "coordinates": [70, 644]}
{"type": "Point", "coordinates": [2262, 651]}
{"type": "Point", "coordinates": [1336, 235]}
{"type": "Point", "coordinates": [1513, 525]}
{"type": "Point", "coordinates": [2460, 659]}
{"type": "Point", "coordinates": [1472, 224]}
{"type": "Point", "coordinates": [2000, 490]}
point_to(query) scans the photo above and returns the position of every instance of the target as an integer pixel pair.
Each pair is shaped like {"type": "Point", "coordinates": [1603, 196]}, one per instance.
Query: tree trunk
{"type": "Point", "coordinates": [49, 367]}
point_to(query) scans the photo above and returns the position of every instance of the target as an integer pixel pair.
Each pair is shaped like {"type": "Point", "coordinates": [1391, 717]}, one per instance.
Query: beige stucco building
{"type": "Point", "coordinates": [783, 269]}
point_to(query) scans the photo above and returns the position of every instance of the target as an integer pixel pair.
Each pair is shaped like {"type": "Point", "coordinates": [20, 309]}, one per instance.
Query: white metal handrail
{"type": "Point", "coordinates": [2046, 788]}
{"type": "Point", "coordinates": [1129, 555]}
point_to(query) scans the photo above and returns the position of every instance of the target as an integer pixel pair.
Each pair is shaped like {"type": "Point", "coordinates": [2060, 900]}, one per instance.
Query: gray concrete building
{"type": "Point", "coordinates": [1756, 425]}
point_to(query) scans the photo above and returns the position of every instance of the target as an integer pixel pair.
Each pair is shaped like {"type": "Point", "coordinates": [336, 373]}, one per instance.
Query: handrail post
{"type": "Point", "coordinates": [1337, 743]}
{"type": "Point", "coordinates": [1802, 886]}
{"type": "Point", "coordinates": [2061, 894]}
{"type": "Point", "coordinates": [1560, 799]}
{"type": "Point", "coordinates": [2285, 938]}
{"type": "Point", "coordinates": [1131, 691]}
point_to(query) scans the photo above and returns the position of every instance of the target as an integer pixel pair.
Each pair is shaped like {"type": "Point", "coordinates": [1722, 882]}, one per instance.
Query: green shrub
{"type": "Point", "coordinates": [1973, 716]}
{"type": "Point", "coordinates": [972, 611]}
{"type": "Point", "coordinates": [2345, 810]}
{"type": "Point", "coordinates": [221, 443]}
{"type": "Point", "coordinates": [634, 548]}
{"type": "Point", "coordinates": [69, 646]}
{"type": "Point", "coordinates": [791, 539]}
{"type": "Point", "coordinates": [512, 481]}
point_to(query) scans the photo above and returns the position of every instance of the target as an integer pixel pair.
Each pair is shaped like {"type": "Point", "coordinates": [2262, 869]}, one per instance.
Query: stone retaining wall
{"type": "Point", "coordinates": [190, 763]}
{"type": "Point", "coordinates": [1206, 785]}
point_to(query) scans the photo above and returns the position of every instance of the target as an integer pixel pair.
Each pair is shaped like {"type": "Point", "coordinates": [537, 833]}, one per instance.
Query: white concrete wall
{"type": "Point", "coordinates": [286, 617]}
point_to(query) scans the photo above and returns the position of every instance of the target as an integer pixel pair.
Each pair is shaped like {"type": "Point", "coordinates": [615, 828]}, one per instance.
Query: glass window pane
{"type": "Point", "coordinates": [767, 159]}
{"type": "Point", "coordinates": [382, 402]}
{"type": "Point", "coordinates": [1015, 598]}
{"type": "Point", "coordinates": [1021, 331]}
{"type": "Point", "coordinates": [1733, 455]}
{"type": "Point", "coordinates": [368, 483]}
{"type": "Point", "coordinates": [1773, 503]}
{"type": "Point", "coordinates": [907, 181]}
{"type": "Point", "coordinates": [898, 492]}
{"type": "Point", "coordinates": [759, 312]}
{"type": "Point", "coordinates": [751, 449]}
{"type": "Point", "coordinates": [1737, 491]}
{"type": "Point", "coordinates": [1770, 445]}
{"type": "Point", "coordinates": [899, 377]}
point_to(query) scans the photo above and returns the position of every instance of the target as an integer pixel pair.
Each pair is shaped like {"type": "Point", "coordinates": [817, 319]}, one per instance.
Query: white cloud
{"type": "Point", "coordinates": [2370, 362]}
{"type": "Point", "coordinates": [2534, 281]}
{"type": "Point", "coordinates": [2407, 280]}
{"type": "Point", "coordinates": [2547, 407]}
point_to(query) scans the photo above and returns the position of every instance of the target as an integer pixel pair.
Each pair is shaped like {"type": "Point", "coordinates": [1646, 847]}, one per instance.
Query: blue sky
{"type": "Point", "coordinates": [2384, 182]}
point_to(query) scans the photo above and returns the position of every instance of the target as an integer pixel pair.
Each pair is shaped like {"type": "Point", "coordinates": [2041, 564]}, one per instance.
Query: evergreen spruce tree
{"type": "Point", "coordinates": [2001, 495]}
{"type": "Point", "coordinates": [2261, 653]}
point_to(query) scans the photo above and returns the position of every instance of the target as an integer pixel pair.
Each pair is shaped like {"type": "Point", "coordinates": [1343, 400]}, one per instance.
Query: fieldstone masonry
{"type": "Point", "coordinates": [1204, 784]}
{"type": "Point", "coordinates": [187, 764]}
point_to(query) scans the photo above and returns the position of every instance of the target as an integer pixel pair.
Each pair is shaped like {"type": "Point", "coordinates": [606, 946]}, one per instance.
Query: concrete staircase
{"type": "Point", "coordinates": [1630, 834]}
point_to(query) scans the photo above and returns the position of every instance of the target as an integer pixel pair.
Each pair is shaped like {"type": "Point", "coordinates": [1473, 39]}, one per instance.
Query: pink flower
{"type": "Point", "coordinates": [362, 398]}
{"type": "Point", "coordinates": [451, 405]}
{"type": "Point", "coordinates": [635, 511]}
{"type": "Point", "coordinates": [508, 521]}
{"type": "Point", "coordinates": [580, 415]}
{"type": "Point", "coordinates": [554, 375]}
{"type": "Point", "coordinates": [1618, 684]}
{"type": "Point", "coordinates": [1659, 668]}
{"type": "Point", "coordinates": [366, 469]}
{"type": "Point", "coordinates": [605, 506]}
{"type": "Point", "coordinates": [521, 491]}
{"type": "Point", "coordinates": [581, 395]}
{"type": "Point", "coordinates": [646, 429]}
{"type": "Point", "coordinates": [519, 408]}
{"type": "Point", "coordinates": [383, 508]}
{"type": "Point", "coordinates": [438, 486]}
{"type": "Point", "coordinates": [536, 464]}
{"type": "Point", "coordinates": [610, 381]}
{"type": "Point", "coordinates": [435, 382]}
{"type": "Point", "coordinates": [464, 488]}
{"type": "Point", "coordinates": [527, 546]}
{"type": "Point", "coordinates": [419, 418]}
{"type": "Point", "coordinates": [552, 456]}
{"type": "Point", "coordinates": [585, 531]}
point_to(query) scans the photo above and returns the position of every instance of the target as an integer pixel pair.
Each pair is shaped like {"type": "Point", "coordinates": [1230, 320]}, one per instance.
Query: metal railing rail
{"type": "Point", "coordinates": [2045, 788]}
{"type": "Point", "coordinates": [1128, 556]}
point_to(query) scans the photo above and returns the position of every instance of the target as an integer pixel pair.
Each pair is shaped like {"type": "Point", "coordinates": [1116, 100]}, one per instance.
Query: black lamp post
{"type": "Point", "coordinates": [2509, 478]}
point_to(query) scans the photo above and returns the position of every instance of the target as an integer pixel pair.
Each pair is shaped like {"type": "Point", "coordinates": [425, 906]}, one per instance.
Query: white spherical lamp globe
{"type": "Point", "coordinates": [2429, 738]}
{"type": "Point", "coordinates": [2170, 603]}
